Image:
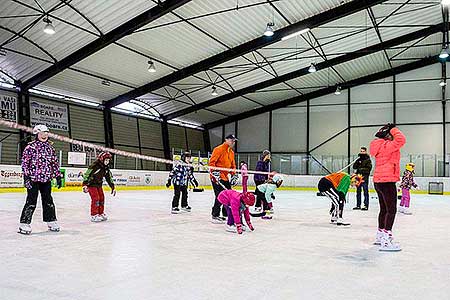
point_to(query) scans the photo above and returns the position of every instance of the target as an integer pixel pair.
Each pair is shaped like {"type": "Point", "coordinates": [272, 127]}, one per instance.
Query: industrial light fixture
{"type": "Point", "coordinates": [269, 29]}
{"type": "Point", "coordinates": [312, 68]}
{"type": "Point", "coordinates": [49, 28]}
{"type": "Point", "coordinates": [289, 36]}
{"type": "Point", "coordinates": [106, 82]}
{"type": "Point", "coordinates": [214, 91]}
{"type": "Point", "coordinates": [2, 52]}
{"type": "Point", "coordinates": [338, 90]}
{"type": "Point", "coordinates": [442, 83]}
{"type": "Point", "coordinates": [151, 66]}
{"type": "Point", "coordinates": [444, 53]}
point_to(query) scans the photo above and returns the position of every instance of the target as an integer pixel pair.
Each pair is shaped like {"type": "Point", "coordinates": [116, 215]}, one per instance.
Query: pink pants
{"type": "Point", "coordinates": [405, 198]}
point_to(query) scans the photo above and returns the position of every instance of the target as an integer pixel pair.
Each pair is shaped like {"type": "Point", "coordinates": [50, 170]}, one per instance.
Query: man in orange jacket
{"type": "Point", "coordinates": [222, 157]}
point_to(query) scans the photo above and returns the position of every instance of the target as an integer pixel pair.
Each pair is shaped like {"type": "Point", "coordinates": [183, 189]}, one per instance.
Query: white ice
{"type": "Point", "coordinates": [144, 252]}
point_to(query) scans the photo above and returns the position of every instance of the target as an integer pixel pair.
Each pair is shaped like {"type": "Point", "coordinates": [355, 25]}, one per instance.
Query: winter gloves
{"type": "Point", "coordinates": [27, 182]}
{"type": "Point", "coordinates": [85, 189]}
{"type": "Point", "coordinates": [384, 131]}
{"type": "Point", "coordinates": [216, 176]}
{"type": "Point", "coordinates": [59, 182]}
{"type": "Point", "coordinates": [169, 183]}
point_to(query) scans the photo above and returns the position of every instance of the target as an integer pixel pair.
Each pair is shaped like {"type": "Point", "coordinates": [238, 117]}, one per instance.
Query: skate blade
{"type": "Point", "coordinates": [389, 250]}
{"type": "Point", "coordinates": [24, 232]}
{"type": "Point", "coordinates": [54, 230]}
{"type": "Point", "coordinates": [376, 243]}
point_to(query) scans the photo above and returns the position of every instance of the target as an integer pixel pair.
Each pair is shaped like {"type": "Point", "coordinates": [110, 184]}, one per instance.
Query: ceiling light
{"type": "Point", "coordinates": [151, 66]}
{"type": "Point", "coordinates": [295, 34]}
{"type": "Point", "coordinates": [444, 52]}
{"type": "Point", "coordinates": [269, 29]}
{"type": "Point", "coordinates": [312, 68]}
{"type": "Point", "coordinates": [106, 82]}
{"type": "Point", "coordinates": [214, 91]}
{"type": "Point", "coordinates": [2, 52]}
{"type": "Point", "coordinates": [442, 83]}
{"type": "Point", "coordinates": [49, 28]}
{"type": "Point", "coordinates": [338, 90]}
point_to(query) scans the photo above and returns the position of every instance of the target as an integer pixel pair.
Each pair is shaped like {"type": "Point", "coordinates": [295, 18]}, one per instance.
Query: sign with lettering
{"type": "Point", "coordinates": [8, 108]}
{"type": "Point", "coordinates": [55, 116]}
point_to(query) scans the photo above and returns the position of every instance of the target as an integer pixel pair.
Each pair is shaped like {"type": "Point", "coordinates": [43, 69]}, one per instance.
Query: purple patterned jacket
{"type": "Point", "coordinates": [39, 162]}
{"type": "Point", "coordinates": [408, 180]}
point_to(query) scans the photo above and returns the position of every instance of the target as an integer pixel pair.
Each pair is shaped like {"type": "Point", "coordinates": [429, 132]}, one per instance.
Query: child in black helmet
{"type": "Point", "coordinates": [180, 176]}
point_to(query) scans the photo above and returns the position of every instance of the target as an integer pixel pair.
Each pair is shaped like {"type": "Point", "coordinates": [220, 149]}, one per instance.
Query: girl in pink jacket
{"type": "Point", "coordinates": [386, 151]}
{"type": "Point", "coordinates": [237, 203]}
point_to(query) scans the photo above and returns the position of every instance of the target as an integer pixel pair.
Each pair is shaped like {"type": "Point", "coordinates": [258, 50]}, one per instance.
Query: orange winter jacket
{"type": "Point", "coordinates": [223, 157]}
{"type": "Point", "coordinates": [387, 157]}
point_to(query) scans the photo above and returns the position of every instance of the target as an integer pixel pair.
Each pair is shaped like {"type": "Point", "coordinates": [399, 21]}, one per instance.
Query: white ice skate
{"type": "Point", "coordinates": [378, 238]}
{"type": "Point", "coordinates": [104, 217]}
{"type": "Point", "coordinates": [257, 209]}
{"type": "Point", "coordinates": [342, 223]}
{"type": "Point", "coordinates": [231, 228]}
{"type": "Point", "coordinates": [333, 220]}
{"type": "Point", "coordinates": [96, 218]}
{"type": "Point", "coordinates": [406, 211]}
{"type": "Point", "coordinates": [388, 245]}
{"type": "Point", "coordinates": [401, 209]}
{"type": "Point", "coordinates": [24, 228]}
{"type": "Point", "coordinates": [186, 209]}
{"type": "Point", "coordinates": [53, 226]}
{"type": "Point", "coordinates": [217, 220]}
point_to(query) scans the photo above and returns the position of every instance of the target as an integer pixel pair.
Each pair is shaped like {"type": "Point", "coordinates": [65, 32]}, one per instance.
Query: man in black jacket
{"type": "Point", "coordinates": [363, 166]}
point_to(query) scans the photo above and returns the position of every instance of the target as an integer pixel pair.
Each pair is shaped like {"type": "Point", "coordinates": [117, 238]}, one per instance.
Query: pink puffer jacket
{"type": "Point", "coordinates": [387, 157]}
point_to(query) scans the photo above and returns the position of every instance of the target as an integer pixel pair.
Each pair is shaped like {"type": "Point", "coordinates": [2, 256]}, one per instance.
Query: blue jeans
{"type": "Point", "coordinates": [364, 186]}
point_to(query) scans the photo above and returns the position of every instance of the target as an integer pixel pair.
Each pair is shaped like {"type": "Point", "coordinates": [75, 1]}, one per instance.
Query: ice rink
{"type": "Point", "coordinates": [144, 252]}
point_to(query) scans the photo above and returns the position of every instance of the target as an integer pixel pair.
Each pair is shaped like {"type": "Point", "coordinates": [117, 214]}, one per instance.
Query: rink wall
{"type": "Point", "coordinates": [11, 179]}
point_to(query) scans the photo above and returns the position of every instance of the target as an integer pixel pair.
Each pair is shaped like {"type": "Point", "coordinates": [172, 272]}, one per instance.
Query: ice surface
{"type": "Point", "coordinates": [144, 252]}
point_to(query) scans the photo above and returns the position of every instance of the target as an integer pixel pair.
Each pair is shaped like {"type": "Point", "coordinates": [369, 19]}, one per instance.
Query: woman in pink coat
{"type": "Point", "coordinates": [386, 151]}
{"type": "Point", "coordinates": [237, 203]}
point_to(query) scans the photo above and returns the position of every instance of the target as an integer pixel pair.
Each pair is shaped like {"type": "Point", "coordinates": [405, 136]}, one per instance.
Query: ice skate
{"type": "Point", "coordinates": [378, 238]}
{"type": "Point", "coordinates": [96, 218]}
{"type": "Point", "coordinates": [406, 211]}
{"type": "Point", "coordinates": [258, 209]}
{"type": "Point", "coordinates": [186, 209]}
{"type": "Point", "coordinates": [364, 208]}
{"type": "Point", "coordinates": [267, 216]}
{"type": "Point", "coordinates": [53, 226]}
{"type": "Point", "coordinates": [231, 228]}
{"type": "Point", "coordinates": [388, 245]}
{"type": "Point", "coordinates": [24, 228]}
{"type": "Point", "coordinates": [356, 208]}
{"type": "Point", "coordinates": [217, 220]}
{"type": "Point", "coordinates": [104, 217]}
{"type": "Point", "coordinates": [401, 209]}
{"type": "Point", "coordinates": [175, 210]}
{"type": "Point", "coordinates": [333, 220]}
{"type": "Point", "coordinates": [341, 222]}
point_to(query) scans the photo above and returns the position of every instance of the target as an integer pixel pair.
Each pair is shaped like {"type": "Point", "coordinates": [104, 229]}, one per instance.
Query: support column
{"type": "Point", "coordinates": [23, 117]}
{"type": "Point", "coordinates": [308, 108]}
{"type": "Point", "coordinates": [349, 120]}
{"type": "Point", "coordinates": [107, 119]}
{"type": "Point", "coordinates": [166, 142]}
{"type": "Point", "coordinates": [394, 99]}
{"type": "Point", "coordinates": [207, 141]}
{"type": "Point", "coordinates": [444, 131]}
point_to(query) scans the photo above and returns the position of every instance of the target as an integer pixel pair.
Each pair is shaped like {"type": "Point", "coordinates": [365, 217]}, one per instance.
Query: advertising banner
{"type": "Point", "coordinates": [8, 108]}
{"type": "Point", "coordinates": [55, 116]}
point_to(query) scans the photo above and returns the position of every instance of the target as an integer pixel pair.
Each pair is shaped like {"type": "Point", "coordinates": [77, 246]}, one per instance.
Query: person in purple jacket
{"type": "Point", "coordinates": [39, 165]}
{"type": "Point", "coordinates": [263, 165]}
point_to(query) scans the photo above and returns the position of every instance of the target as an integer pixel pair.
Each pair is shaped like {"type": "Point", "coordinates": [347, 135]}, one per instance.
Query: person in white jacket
{"type": "Point", "coordinates": [268, 189]}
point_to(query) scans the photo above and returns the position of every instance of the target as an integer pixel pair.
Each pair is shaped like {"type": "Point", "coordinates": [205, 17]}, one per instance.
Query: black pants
{"type": "Point", "coordinates": [337, 199]}
{"type": "Point", "coordinates": [217, 189]}
{"type": "Point", "coordinates": [364, 186]}
{"type": "Point", "coordinates": [180, 190]}
{"type": "Point", "coordinates": [48, 207]}
{"type": "Point", "coordinates": [260, 197]}
{"type": "Point", "coordinates": [387, 196]}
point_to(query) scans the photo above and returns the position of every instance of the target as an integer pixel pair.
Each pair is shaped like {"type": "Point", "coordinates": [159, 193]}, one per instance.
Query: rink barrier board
{"type": "Point", "coordinates": [11, 180]}
{"type": "Point", "coordinates": [154, 188]}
